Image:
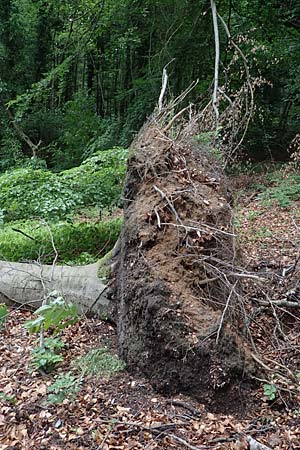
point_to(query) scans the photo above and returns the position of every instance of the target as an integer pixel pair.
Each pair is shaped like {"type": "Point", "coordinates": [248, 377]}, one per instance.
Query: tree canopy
{"type": "Point", "coordinates": [78, 76]}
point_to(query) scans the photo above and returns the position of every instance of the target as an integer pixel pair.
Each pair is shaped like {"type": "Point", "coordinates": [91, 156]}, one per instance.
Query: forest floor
{"type": "Point", "coordinates": [124, 412]}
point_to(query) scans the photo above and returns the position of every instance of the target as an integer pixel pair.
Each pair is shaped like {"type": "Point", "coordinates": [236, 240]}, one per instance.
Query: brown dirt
{"type": "Point", "coordinates": [174, 275]}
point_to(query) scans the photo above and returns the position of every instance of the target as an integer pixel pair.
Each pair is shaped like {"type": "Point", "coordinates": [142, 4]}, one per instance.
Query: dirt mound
{"type": "Point", "coordinates": [176, 290]}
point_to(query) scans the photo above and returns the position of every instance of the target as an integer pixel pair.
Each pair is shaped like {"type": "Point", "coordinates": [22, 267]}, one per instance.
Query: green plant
{"type": "Point", "coordinates": [44, 359]}
{"type": "Point", "coordinates": [99, 362]}
{"type": "Point", "coordinates": [7, 398]}
{"type": "Point", "coordinates": [76, 243]}
{"type": "Point", "coordinates": [270, 391]}
{"type": "Point", "coordinates": [47, 356]}
{"type": "Point", "coordinates": [3, 314]}
{"type": "Point", "coordinates": [30, 192]}
{"type": "Point", "coordinates": [65, 386]}
{"type": "Point", "coordinates": [57, 314]}
{"type": "Point", "coordinates": [284, 191]}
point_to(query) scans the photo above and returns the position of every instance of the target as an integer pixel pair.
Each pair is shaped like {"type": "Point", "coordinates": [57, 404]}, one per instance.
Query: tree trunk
{"type": "Point", "coordinates": [176, 293]}
{"type": "Point", "coordinates": [27, 284]}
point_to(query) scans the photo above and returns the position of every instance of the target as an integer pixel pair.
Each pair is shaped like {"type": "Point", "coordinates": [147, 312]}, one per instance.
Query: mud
{"type": "Point", "coordinates": [176, 297]}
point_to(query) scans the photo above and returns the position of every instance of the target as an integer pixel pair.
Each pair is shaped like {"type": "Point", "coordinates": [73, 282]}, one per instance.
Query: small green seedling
{"type": "Point", "coordinates": [99, 362]}
{"type": "Point", "coordinates": [57, 314]}
{"type": "Point", "coordinates": [270, 391]}
{"type": "Point", "coordinates": [64, 387]}
{"type": "Point", "coordinates": [3, 314]}
{"type": "Point", "coordinates": [45, 358]}
{"type": "Point", "coordinates": [7, 398]}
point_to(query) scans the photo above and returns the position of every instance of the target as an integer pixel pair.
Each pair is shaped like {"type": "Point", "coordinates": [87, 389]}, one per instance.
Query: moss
{"type": "Point", "coordinates": [104, 267]}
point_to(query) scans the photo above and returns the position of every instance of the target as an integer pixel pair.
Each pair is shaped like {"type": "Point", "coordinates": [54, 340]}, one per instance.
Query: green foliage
{"type": "Point", "coordinates": [57, 315]}
{"type": "Point", "coordinates": [100, 73]}
{"type": "Point", "coordinates": [47, 356]}
{"type": "Point", "coordinates": [64, 387]}
{"type": "Point", "coordinates": [270, 391]}
{"type": "Point", "coordinates": [3, 314]}
{"type": "Point", "coordinates": [7, 398]}
{"type": "Point", "coordinates": [99, 362]}
{"type": "Point", "coordinates": [284, 191]}
{"type": "Point", "coordinates": [10, 148]}
{"type": "Point", "coordinates": [44, 359]}
{"type": "Point", "coordinates": [30, 192]}
{"type": "Point", "coordinates": [76, 243]}
{"type": "Point", "coordinates": [99, 179]}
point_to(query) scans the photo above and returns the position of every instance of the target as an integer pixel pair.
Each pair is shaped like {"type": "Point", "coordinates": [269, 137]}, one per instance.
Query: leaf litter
{"type": "Point", "coordinates": [123, 411]}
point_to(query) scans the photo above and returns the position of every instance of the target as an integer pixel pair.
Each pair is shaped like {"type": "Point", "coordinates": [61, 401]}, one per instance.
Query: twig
{"type": "Point", "coordinates": [224, 312]}
{"type": "Point", "coordinates": [185, 443]}
{"type": "Point", "coordinates": [158, 218]}
{"type": "Point", "coordinates": [97, 299]}
{"type": "Point", "coordinates": [287, 303]}
{"type": "Point", "coordinates": [185, 405]}
{"type": "Point", "coordinates": [168, 126]}
{"type": "Point", "coordinates": [104, 438]}
{"type": "Point", "coordinates": [245, 62]}
{"type": "Point", "coordinates": [165, 197]}
{"type": "Point", "coordinates": [24, 234]}
{"type": "Point", "coordinates": [217, 61]}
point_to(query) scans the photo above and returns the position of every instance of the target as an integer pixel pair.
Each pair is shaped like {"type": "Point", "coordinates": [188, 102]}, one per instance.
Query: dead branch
{"type": "Point", "coordinates": [23, 233]}
{"type": "Point", "coordinates": [255, 445]}
{"type": "Point", "coordinates": [245, 62]}
{"type": "Point", "coordinates": [168, 126]}
{"type": "Point", "coordinates": [163, 89]}
{"type": "Point", "coordinates": [165, 197]}
{"type": "Point", "coordinates": [34, 147]}
{"type": "Point", "coordinates": [217, 61]}
{"type": "Point", "coordinates": [286, 303]}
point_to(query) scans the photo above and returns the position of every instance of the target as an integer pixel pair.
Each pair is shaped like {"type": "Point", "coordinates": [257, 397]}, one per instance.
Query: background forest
{"type": "Point", "coordinates": [79, 78]}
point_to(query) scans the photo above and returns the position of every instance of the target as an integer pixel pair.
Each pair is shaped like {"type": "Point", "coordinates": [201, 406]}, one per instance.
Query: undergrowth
{"type": "Point", "coordinates": [284, 190]}
{"type": "Point", "coordinates": [99, 362]}
{"type": "Point", "coordinates": [38, 193]}
{"type": "Point", "coordinates": [76, 243]}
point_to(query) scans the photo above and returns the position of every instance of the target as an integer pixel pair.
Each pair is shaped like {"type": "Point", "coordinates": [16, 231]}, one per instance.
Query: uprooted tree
{"type": "Point", "coordinates": [174, 287]}
{"type": "Point", "coordinates": [176, 282]}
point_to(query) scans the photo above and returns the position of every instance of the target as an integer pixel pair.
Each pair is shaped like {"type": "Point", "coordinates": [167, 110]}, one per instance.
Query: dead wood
{"type": "Point", "coordinates": [25, 284]}
{"type": "Point", "coordinates": [176, 293]}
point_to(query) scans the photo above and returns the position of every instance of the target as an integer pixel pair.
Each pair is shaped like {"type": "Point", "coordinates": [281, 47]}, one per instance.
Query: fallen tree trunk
{"type": "Point", "coordinates": [176, 297]}
{"type": "Point", "coordinates": [28, 284]}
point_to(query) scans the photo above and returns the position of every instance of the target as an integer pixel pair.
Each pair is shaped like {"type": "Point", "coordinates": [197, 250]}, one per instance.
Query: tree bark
{"type": "Point", "coordinates": [27, 285]}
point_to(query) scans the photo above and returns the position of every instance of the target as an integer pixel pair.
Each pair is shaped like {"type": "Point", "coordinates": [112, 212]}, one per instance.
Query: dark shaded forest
{"type": "Point", "coordinates": [83, 75]}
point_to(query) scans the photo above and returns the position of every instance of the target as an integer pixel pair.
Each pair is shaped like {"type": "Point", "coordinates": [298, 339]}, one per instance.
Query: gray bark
{"type": "Point", "coordinates": [28, 284]}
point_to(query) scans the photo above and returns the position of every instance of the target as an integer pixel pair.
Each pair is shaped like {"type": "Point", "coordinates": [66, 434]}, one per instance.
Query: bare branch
{"type": "Point", "coordinates": [163, 89]}
{"type": "Point", "coordinates": [217, 60]}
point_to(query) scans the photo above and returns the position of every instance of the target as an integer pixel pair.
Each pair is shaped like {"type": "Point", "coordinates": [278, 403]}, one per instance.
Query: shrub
{"type": "Point", "coordinates": [31, 192]}
{"type": "Point", "coordinates": [76, 243]}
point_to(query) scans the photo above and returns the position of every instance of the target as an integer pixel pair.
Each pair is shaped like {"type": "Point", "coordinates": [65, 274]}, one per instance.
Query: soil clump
{"type": "Point", "coordinates": [176, 290]}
